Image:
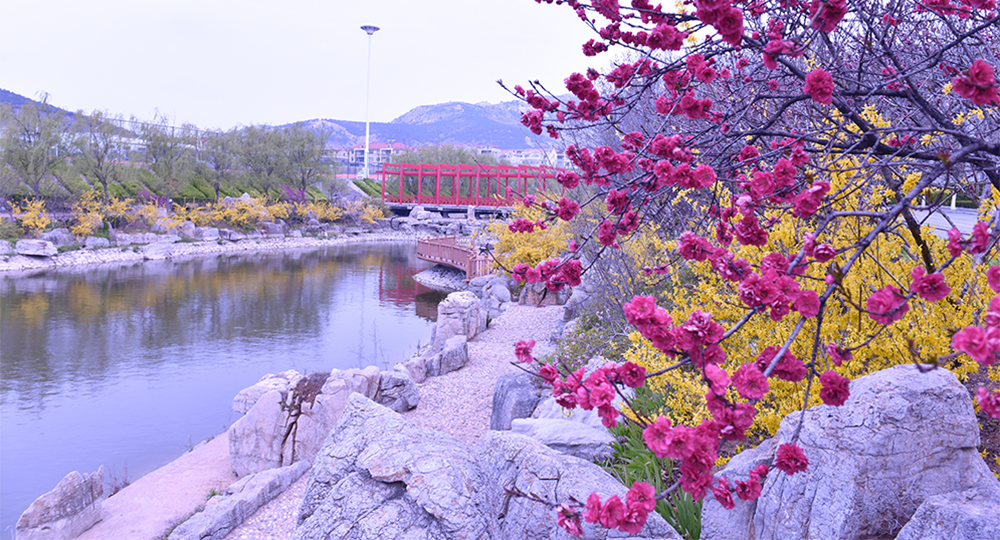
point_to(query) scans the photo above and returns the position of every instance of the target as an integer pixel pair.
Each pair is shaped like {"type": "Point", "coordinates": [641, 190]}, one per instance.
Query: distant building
{"type": "Point", "coordinates": [378, 154]}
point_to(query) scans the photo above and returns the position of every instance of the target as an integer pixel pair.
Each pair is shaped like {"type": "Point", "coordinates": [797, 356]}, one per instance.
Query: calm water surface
{"type": "Point", "coordinates": [128, 366]}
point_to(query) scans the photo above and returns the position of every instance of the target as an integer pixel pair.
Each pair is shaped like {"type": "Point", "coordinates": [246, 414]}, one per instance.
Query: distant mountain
{"type": "Point", "coordinates": [15, 100]}
{"type": "Point", "coordinates": [445, 123]}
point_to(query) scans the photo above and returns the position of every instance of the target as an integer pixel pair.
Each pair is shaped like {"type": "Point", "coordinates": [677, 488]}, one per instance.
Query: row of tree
{"type": "Point", "coordinates": [44, 152]}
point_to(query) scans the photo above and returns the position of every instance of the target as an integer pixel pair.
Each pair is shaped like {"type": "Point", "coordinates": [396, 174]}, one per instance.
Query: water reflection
{"type": "Point", "coordinates": [119, 364]}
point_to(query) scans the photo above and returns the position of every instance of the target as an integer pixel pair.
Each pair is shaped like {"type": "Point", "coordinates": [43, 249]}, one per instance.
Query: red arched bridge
{"type": "Point", "coordinates": [497, 186]}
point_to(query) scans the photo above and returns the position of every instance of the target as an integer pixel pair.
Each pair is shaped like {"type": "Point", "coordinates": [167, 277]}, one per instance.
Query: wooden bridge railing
{"type": "Point", "coordinates": [449, 251]}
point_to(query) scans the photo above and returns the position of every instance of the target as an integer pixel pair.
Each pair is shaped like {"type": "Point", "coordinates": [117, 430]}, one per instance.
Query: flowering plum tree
{"type": "Point", "coordinates": [805, 135]}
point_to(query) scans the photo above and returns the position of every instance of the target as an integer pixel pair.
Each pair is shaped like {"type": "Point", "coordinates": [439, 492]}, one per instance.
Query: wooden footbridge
{"type": "Point", "coordinates": [453, 252]}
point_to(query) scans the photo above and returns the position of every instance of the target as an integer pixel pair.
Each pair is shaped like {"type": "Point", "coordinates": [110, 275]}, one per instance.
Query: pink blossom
{"type": "Point", "coordinates": [749, 490]}
{"type": "Point", "coordinates": [693, 247]}
{"type": "Point", "coordinates": [523, 350]}
{"type": "Point", "coordinates": [613, 513]}
{"type": "Point", "coordinates": [592, 510]}
{"type": "Point", "coordinates": [931, 287]}
{"type": "Point", "coordinates": [642, 496]}
{"type": "Point", "coordinates": [718, 379]}
{"type": "Point", "coordinates": [568, 209]}
{"type": "Point", "coordinates": [634, 520]}
{"type": "Point", "coordinates": [750, 233]}
{"type": "Point", "coordinates": [791, 459]}
{"type": "Point", "coordinates": [989, 403]}
{"type": "Point", "coordinates": [980, 238]}
{"type": "Point", "coordinates": [979, 85]}
{"type": "Point", "coordinates": [632, 375]}
{"type": "Point", "coordinates": [838, 355]}
{"type": "Point", "coordinates": [819, 86]}
{"type": "Point", "coordinates": [973, 341]}
{"type": "Point", "coordinates": [955, 242]}
{"type": "Point", "coordinates": [887, 305]}
{"type": "Point", "coordinates": [569, 521]}
{"type": "Point", "coordinates": [807, 203]}
{"type": "Point", "coordinates": [656, 435]}
{"type": "Point", "coordinates": [723, 495]}
{"type": "Point", "coordinates": [824, 252]}
{"type": "Point", "coordinates": [789, 368]}
{"type": "Point", "coordinates": [827, 14]}
{"type": "Point", "coordinates": [807, 304]}
{"type": "Point", "coordinates": [750, 382]}
{"type": "Point", "coordinates": [993, 278]}
{"type": "Point", "coordinates": [836, 388]}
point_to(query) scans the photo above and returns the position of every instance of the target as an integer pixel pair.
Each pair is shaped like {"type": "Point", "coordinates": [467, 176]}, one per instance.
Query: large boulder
{"type": "Point", "coordinates": [96, 242]}
{"type": "Point", "coordinates": [515, 396]}
{"type": "Point", "coordinates": [35, 248]}
{"type": "Point", "coordinates": [158, 251]}
{"type": "Point", "coordinates": [282, 382]}
{"type": "Point", "coordinates": [973, 514]}
{"type": "Point", "coordinates": [288, 422]}
{"type": "Point", "coordinates": [59, 237]}
{"type": "Point", "coordinates": [238, 502]}
{"type": "Point", "coordinates": [453, 356]}
{"type": "Point", "coordinates": [902, 437]}
{"type": "Point", "coordinates": [573, 438]}
{"type": "Point", "coordinates": [537, 294]}
{"type": "Point", "coordinates": [460, 314]}
{"type": "Point", "coordinates": [378, 476]}
{"type": "Point", "coordinates": [65, 512]}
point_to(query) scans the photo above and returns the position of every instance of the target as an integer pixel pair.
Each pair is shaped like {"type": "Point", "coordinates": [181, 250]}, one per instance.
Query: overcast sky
{"type": "Point", "coordinates": [219, 63]}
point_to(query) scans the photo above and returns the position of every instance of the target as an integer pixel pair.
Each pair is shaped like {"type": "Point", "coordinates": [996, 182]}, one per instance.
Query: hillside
{"type": "Point", "coordinates": [488, 124]}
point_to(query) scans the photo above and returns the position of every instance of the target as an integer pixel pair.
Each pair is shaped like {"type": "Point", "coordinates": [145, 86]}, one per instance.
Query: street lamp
{"type": "Point", "coordinates": [368, 89]}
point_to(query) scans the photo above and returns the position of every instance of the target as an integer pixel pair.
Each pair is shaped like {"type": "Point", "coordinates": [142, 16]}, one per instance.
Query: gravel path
{"type": "Point", "coordinates": [467, 394]}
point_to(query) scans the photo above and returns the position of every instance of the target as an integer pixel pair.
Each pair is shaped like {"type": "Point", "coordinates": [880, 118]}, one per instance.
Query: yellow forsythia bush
{"type": "Point", "coordinates": [923, 334]}
{"type": "Point", "coordinates": [529, 248]}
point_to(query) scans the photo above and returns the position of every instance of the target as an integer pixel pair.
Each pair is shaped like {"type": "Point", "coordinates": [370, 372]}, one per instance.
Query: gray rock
{"type": "Point", "coordinates": [286, 426]}
{"type": "Point", "coordinates": [397, 390]}
{"type": "Point", "coordinates": [96, 242]}
{"type": "Point", "coordinates": [58, 237]}
{"type": "Point", "coordinates": [566, 436]}
{"type": "Point", "coordinates": [515, 396]}
{"type": "Point", "coordinates": [7, 248]}
{"type": "Point", "coordinates": [535, 294]}
{"type": "Point", "coordinates": [227, 511]}
{"type": "Point", "coordinates": [416, 366]}
{"type": "Point", "coordinates": [416, 210]}
{"type": "Point", "coordinates": [272, 229]}
{"type": "Point", "coordinates": [206, 233]}
{"type": "Point", "coordinates": [453, 356]}
{"type": "Point", "coordinates": [65, 512]}
{"type": "Point", "coordinates": [902, 437]}
{"type": "Point", "coordinates": [257, 440]}
{"type": "Point", "coordinates": [960, 515]}
{"type": "Point", "coordinates": [295, 234]}
{"type": "Point", "coordinates": [158, 251]}
{"type": "Point", "coordinates": [186, 230]}
{"type": "Point", "coordinates": [232, 236]}
{"type": "Point", "coordinates": [441, 278]}
{"type": "Point", "coordinates": [460, 314]}
{"type": "Point", "coordinates": [282, 382]}
{"type": "Point", "coordinates": [35, 248]}
{"type": "Point", "coordinates": [378, 476]}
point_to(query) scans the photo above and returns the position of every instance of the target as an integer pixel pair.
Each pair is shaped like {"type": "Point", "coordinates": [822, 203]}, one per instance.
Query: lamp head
{"type": "Point", "coordinates": [370, 29]}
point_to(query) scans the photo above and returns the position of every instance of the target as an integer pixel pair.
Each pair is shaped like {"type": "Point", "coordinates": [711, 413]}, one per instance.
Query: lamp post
{"type": "Point", "coordinates": [368, 88]}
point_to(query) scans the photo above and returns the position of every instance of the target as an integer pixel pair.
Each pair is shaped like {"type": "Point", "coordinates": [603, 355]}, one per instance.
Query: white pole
{"type": "Point", "coordinates": [368, 90]}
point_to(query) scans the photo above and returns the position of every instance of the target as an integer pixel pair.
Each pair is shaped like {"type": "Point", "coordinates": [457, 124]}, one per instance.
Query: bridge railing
{"type": "Point", "coordinates": [477, 185]}
{"type": "Point", "coordinates": [449, 251]}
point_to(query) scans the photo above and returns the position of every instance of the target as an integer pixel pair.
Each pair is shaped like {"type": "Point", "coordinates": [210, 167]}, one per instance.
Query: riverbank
{"type": "Point", "coordinates": [134, 254]}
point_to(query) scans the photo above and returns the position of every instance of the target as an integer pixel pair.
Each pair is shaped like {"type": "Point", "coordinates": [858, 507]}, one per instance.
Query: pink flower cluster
{"type": "Point", "coordinates": [726, 19]}
{"type": "Point", "coordinates": [978, 85]}
{"type": "Point", "coordinates": [791, 459]}
{"type": "Point", "coordinates": [595, 391]}
{"type": "Point", "coordinates": [696, 448]}
{"type": "Point", "coordinates": [521, 225]}
{"type": "Point", "coordinates": [989, 402]}
{"type": "Point", "coordinates": [554, 273]}
{"type": "Point", "coordinates": [522, 350]}
{"type": "Point", "coordinates": [819, 86]}
{"type": "Point", "coordinates": [628, 517]}
{"type": "Point", "coordinates": [887, 305]}
{"type": "Point", "coordinates": [747, 491]}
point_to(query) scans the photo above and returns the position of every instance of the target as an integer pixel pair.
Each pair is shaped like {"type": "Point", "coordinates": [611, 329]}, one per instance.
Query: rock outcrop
{"type": "Point", "coordinates": [515, 396]}
{"type": "Point", "coordinates": [573, 438]}
{"type": "Point", "coordinates": [65, 512]}
{"type": "Point", "coordinates": [460, 314]}
{"type": "Point", "coordinates": [238, 502]}
{"type": "Point", "coordinates": [378, 476]}
{"type": "Point", "coordinates": [35, 248]}
{"type": "Point", "coordinates": [904, 440]}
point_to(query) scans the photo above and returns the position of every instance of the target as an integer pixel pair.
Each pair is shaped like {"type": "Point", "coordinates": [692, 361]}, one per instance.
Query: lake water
{"type": "Point", "coordinates": [129, 366]}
